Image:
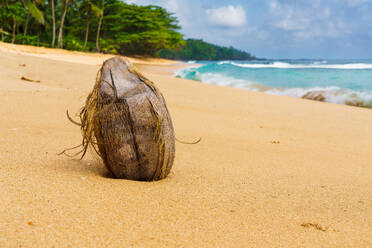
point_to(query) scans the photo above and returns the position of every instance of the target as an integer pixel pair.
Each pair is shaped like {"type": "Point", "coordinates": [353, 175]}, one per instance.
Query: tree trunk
{"type": "Point", "coordinates": [99, 26]}
{"type": "Point", "coordinates": [38, 35]}
{"type": "Point", "coordinates": [87, 31]}
{"type": "Point", "coordinates": [54, 24]}
{"type": "Point", "coordinates": [26, 26]}
{"type": "Point", "coordinates": [60, 35]}
{"type": "Point", "coordinates": [14, 30]}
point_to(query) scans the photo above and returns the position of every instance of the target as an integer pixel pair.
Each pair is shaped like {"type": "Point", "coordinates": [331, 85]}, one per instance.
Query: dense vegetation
{"type": "Point", "coordinates": [109, 26]}
{"type": "Point", "coordinates": [200, 50]}
{"type": "Point", "coordinates": [98, 25]}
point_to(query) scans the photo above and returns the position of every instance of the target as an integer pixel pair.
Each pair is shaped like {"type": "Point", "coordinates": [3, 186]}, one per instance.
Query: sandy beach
{"type": "Point", "coordinates": [270, 171]}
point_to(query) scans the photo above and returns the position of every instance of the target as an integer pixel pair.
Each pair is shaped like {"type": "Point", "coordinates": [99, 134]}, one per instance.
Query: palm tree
{"type": "Point", "coordinates": [53, 24]}
{"type": "Point", "coordinates": [65, 4]}
{"type": "Point", "coordinates": [14, 30]}
{"type": "Point", "coordinates": [99, 25]}
{"type": "Point", "coordinates": [3, 22]}
{"type": "Point", "coordinates": [32, 10]}
{"type": "Point", "coordinates": [26, 24]}
{"type": "Point", "coordinates": [3, 32]}
{"type": "Point", "coordinates": [14, 14]}
{"type": "Point", "coordinates": [89, 7]}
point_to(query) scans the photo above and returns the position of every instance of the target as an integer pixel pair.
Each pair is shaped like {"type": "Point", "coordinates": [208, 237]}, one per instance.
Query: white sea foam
{"type": "Point", "coordinates": [191, 61]}
{"type": "Point", "coordinates": [315, 65]}
{"type": "Point", "coordinates": [219, 79]}
{"type": "Point", "coordinates": [331, 94]}
{"type": "Point", "coordinates": [320, 62]}
{"type": "Point", "coordinates": [224, 62]}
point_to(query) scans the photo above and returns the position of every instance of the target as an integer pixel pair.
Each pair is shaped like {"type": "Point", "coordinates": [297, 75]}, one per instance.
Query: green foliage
{"type": "Point", "coordinates": [140, 29]}
{"type": "Point", "coordinates": [200, 50]}
{"type": "Point", "coordinates": [34, 11]}
{"type": "Point", "coordinates": [109, 46]}
{"type": "Point", "coordinates": [72, 43]}
{"type": "Point", "coordinates": [2, 31]}
{"type": "Point", "coordinates": [126, 29]}
{"type": "Point", "coordinates": [14, 12]}
{"type": "Point", "coordinates": [29, 39]}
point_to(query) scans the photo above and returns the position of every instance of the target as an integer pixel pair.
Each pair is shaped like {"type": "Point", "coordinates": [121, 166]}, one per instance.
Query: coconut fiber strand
{"type": "Point", "coordinates": [126, 120]}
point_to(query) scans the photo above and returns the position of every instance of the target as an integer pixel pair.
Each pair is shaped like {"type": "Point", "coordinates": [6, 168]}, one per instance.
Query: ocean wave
{"type": "Point", "coordinates": [320, 62]}
{"type": "Point", "coordinates": [328, 94]}
{"type": "Point", "coordinates": [224, 62]}
{"type": "Point", "coordinates": [332, 94]}
{"type": "Point", "coordinates": [214, 78]}
{"type": "Point", "coordinates": [315, 65]}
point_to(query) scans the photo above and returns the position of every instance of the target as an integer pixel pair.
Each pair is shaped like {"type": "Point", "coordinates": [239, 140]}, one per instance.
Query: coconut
{"type": "Point", "coordinates": [126, 121]}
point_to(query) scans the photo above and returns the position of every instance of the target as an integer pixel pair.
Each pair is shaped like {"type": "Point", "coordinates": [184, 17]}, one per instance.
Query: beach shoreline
{"type": "Point", "coordinates": [335, 81]}
{"type": "Point", "coordinates": [270, 171]}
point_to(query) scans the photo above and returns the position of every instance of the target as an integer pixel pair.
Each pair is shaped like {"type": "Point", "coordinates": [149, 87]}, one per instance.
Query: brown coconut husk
{"type": "Point", "coordinates": [126, 121]}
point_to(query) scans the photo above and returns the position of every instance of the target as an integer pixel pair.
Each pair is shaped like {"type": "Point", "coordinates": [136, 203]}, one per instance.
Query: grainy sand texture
{"type": "Point", "coordinates": [270, 171]}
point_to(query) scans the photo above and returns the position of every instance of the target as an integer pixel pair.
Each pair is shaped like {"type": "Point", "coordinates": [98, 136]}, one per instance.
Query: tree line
{"type": "Point", "coordinates": [201, 50]}
{"type": "Point", "coordinates": [110, 26]}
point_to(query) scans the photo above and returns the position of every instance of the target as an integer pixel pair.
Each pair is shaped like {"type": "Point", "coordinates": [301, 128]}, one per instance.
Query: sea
{"type": "Point", "coordinates": [347, 81]}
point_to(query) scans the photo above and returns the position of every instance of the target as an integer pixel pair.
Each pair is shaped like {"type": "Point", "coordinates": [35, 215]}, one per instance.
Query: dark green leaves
{"type": "Point", "coordinates": [126, 29]}
{"type": "Point", "coordinates": [35, 12]}
{"type": "Point", "coordinates": [140, 29]}
{"type": "Point", "coordinates": [200, 50]}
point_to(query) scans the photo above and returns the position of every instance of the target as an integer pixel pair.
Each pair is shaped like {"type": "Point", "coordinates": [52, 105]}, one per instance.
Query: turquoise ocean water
{"type": "Point", "coordinates": [337, 81]}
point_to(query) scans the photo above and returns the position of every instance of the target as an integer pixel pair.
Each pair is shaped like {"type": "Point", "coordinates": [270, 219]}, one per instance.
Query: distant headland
{"type": "Point", "coordinates": [201, 50]}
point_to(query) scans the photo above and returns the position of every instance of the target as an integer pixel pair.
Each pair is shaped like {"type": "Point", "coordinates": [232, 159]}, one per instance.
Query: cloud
{"type": "Point", "coordinates": [307, 20]}
{"type": "Point", "coordinates": [228, 16]}
{"type": "Point", "coordinates": [278, 28]}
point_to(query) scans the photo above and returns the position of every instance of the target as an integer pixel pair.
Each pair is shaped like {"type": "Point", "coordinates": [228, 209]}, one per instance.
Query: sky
{"type": "Point", "coordinates": [329, 29]}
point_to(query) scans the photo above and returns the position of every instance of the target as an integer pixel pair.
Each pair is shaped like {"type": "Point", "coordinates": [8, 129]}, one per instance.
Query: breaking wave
{"type": "Point", "coordinates": [332, 94]}
{"type": "Point", "coordinates": [314, 65]}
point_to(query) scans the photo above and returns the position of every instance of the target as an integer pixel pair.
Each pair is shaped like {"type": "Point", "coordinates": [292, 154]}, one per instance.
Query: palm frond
{"type": "Point", "coordinates": [41, 2]}
{"type": "Point", "coordinates": [2, 31]}
{"type": "Point", "coordinates": [97, 11]}
{"type": "Point", "coordinates": [35, 12]}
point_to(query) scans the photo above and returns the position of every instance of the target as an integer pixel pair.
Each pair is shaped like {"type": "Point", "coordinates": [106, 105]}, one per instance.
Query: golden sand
{"type": "Point", "coordinates": [271, 171]}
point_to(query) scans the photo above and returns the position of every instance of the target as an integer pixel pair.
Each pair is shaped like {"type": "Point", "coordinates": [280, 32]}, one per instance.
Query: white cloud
{"type": "Point", "coordinates": [307, 21]}
{"type": "Point", "coordinates": [294, 17]}
{"type": "Point", "coordinates": [228, 16]}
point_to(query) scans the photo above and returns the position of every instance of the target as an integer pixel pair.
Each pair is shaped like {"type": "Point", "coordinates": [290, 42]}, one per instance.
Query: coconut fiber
{"type": "Point", "coordinates": [126, 121]}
